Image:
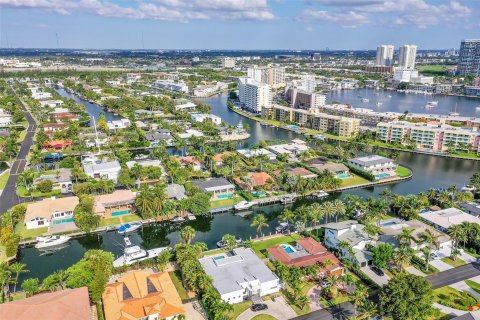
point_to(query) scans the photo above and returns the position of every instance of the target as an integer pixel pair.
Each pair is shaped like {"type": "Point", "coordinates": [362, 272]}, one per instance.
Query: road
{"type": "Point", "coordinates": [451, 276]}
{"type": "Point", "coordinates": [9, 198]}
{"type": "Point", "coordinates": [341, 311]}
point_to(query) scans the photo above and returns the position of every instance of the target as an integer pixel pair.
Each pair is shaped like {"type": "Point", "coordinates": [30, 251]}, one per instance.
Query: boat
{"type": "Point", "coordinates": [51, 241]}
{"type": "Point", "coordinates": [178, 219]}
{"type": "Point", "coordinates": [389, 96]}
{"type": "Point", "coordinates": [282, 227]}
{"type": "Point", "coordinates": [135, 253]}
{"type": "Point", "coordinates": [431, 104]}
{"type": "Point", "coordinates": [454, 112]}
{"type": "Point", "coordinates": [127, 241]}
{"type": "Point", "coordinates": [469, 187]}
{"type": "Point", "coordinates": [320, 194]}
{"type": "Point", "coordinates": [129, 227]}
{"type": "Point", "coordinates": [243, 205]}
{"type": "Point", "coordinates": [477, 108]}
{"type": "Point", "coordinates": [191, 217]}
{"type": "Point", "coordinates": [221, 244]}
{"type": "Point", "coordinates": [287, 199]}
{"type": "Point", "coordinates": [365, 100]}
{"type": "Point", "coordinates": [379, 104]}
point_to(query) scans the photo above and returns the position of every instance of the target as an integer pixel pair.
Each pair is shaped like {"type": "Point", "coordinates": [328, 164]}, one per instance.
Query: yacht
{"type": "Point", "coordinates": [178, 219]}
{"type": "Point", "coordinates": [127, 241]}
{"type": "Point", "coordinates": [135, 253]}
{"type": "Point", "coordinates": [365, 100]}
{"type": "Point", "coordinates": [320, 194]}
{"type": "Point", "coordinates": [129, 227]}
{"type": "Point", "coordinates": [243, 205]}
{"type": "Point", "coordinates": [389, 96]}
{"type": "Point", "coordinates": [221, 244]}
{"type": "Point", "coordinates": [454, 112]}
{"type": "Point", "coordinates": [379, 104]}
{"type": "Point", "coordinates": [431, 104]}
{"type": "Point", "coordinates": [469, 187]}
{"type": "Point", "coordinates": [477, 108]}
{"type": "Point", "coordinates": [282, 227]}
{"type": "Point", "coordinates": [51, 241]}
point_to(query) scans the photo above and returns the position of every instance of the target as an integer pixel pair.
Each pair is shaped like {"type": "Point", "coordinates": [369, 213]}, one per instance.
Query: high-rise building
{"type": "Point", "coordinates": [228, 63]}
{"type": "Point", "coordinates": [384, 55]}
{"type": "Point", "coordinates": [316, 56]}
{"type": "Point", "coordinates": [469, 58]}
{"type": "Point", "coordinates": [254, 95]}
{"type": "Point", "coordinates": [407, 55]}
{"type": "Point", "coordinates": [273, 75]}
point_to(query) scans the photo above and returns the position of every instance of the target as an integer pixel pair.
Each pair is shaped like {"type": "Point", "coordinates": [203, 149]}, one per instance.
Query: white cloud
{"type": "Point", "coordinates": [349, 19]}
{"type": "Point", "coordinates": [309, 29]}
{"type": "Point", "coordinates": [168, 10]}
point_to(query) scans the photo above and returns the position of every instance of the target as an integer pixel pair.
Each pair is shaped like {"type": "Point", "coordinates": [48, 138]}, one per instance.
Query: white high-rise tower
{"type": "Point", "coordinates": [384, 55]}
{"type": "Point", "coordinates": [406, 56]}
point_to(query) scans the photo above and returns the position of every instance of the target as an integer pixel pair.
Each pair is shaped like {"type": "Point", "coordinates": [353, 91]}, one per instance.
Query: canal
{"type": "Point", "coordinates": [428, 172]}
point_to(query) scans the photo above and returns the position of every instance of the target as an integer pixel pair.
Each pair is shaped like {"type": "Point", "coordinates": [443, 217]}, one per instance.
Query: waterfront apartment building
{"type": "Point", "coordinates": [179, 86]}
{"type": "Point", "coordinates": [273, 75]}
{"type": "Point", "coordinates": [407, 56]}
{"type": "Point", "coordinates": [254, 95]}
{"type": "Point", "coordinates": [469, 58]}
{"type": "Point", "coordinates": [367, 117]}
{"type": "Point", "coordinates": [384, 55]}
{"type": "Point", "coordinates": [314, 119]}
{"type": "Point", "coordinates": [428, 136]}
{"type": "Point", "coordinates": [299, 98]}
{"type": "Point", "coordinates": [228, 63]}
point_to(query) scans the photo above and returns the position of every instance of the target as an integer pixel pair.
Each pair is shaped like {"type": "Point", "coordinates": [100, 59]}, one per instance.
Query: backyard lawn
{"type": "Point", "coordinates": [130, 218]}
{"type": "Point", "coordinates": [109, 221]}
{"type": "Point", "coordinates": [238, 308]}
{"type": "Point", "coordinates": [402, 172]}
{"type": "Point", "coordinates": [264, 317]}
{"type": "Point", "coordinates": [260, 246]}
{"type": "Point", "coordinates": [22, 192]}
{"type": "Point", "coordinates": [353, 181]}
{"type": "Point", "coordinates": [225, 202]}
{"type": "Point", "coordinates": [25, 233]}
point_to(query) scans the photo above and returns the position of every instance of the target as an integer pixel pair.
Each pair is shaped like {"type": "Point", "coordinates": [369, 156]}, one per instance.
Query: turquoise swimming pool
{"type": "Point", "coordinates": [225, 196]}
{"type": "Point", "coordinates": [288, 248]}
{"type": "Point", "coordinates": [63, 221]}
{"type": "Point", "coordinates": [344, 175]}
{"type": "Point", "coordinates": [258, 193]}
{"type": "Point", "coordinates": [119, 213]}
{"type": "Point", "coordinates": [219, 258]}
{"type": "Point", "coordinates": [382, 175]}
{"type": "Point", "coordinates": [389, 223]}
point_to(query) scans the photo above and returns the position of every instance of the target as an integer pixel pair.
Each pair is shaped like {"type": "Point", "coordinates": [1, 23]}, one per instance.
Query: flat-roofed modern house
{"type": "Point", "coordinates": [104, 170]}
{"type": "Point", "coordinates": [50, 211]}
{"type": "Point", "coordinates": [220, 188]}
{"type": "Point", "coordinates": [120, 202]}
{"type": "Point", "coordinates": [351, 232]}
{"type": "Point", "coordinates": [379, 166]}
{"type": "Point", "coordinates": [142, 295]}
{"type": "Point", "coordinates": [444, 219]}
{"type": "Point", "coordinates": [307, 252]}
{"type": "Point", "coordinates": [156, 137]}
{"type": "Point", "coordinates": [472, 208]}
{"type": "Point", "coordinates": [71, 304]}
{"type": "Point", "coordinates": [239, 275]}
{"type": "Point", "coordinates": [251, 153]}
{"type": "Point", "coordinates": [61, 180]}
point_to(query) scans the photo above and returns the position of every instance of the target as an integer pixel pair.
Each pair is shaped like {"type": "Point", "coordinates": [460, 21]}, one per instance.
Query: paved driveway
{"type": "Point", "coordinates": [440, 265]}
{"type": "Point", "coordinates": [415, 271]}
{"type": "Point", "coordinates": [278, 309]}
{"type": "Point", "coordinates": [380, 280]}
{"type": "Point", "coordinates": [314, 296]}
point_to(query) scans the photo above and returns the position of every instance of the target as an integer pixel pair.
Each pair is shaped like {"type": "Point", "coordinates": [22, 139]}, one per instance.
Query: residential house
{"type": "Point", "coordinates": [334, 167]}
{"type": "Point", "coordinates": [147, 163]}
{"type": "Point", "coordinates": [57, 144]}
{"type": "Point", "coordinates": [191, 161]}
{"type": "Point", "coordinates": [472, 208]}
{"type": "Point", "coordinates": [61, 180]}
{"type": "Point", "coordinates": [219, 158]}
{"type": "Point", "coordinates": [445, 218]}
{"type": "Point", "coordinates": [51, 103]}
{"type": "Point", "coordinates": [307, 252]}
{"type": "Point", "coordinates": [50, 211]}
{"type": "Point", "coordinates": [251, 153]}
{"type": "Point", "coordinates": [71, 304]}
{"type": "Point", "coordinates": [120, 202]}
{"type": "Point", "coordinates": [185, 106]}
{"type": "Point", "coordinates": [104, 170]}
{"type": "Point", "coordinates": [5, 120]}
{"type": "Point", "coordinates": [290, 149]}
{"type": "Point", "coordinates": [190, 133]}
{"type": "Point", "coordinates": [93, 139]}
{"type": "Point", "coordinates": [352, 234]}
{"type": "Point", "coordinates": [240, 275]}
{"type": "Point", "coordinates": [51, 128]}
{"type": "Point", "coordinates": [155, 138]}
{"type": "Point", "coordinates": [297, 172]}
{"type": "Point", "coordinates": [379, 166]}
{"type": "Point", "coordinates": [65, 116]}
{"type": "Point", "coordinates": [142, 295]}
{"type": "Point", "coordinates": [201, 117]}
{"type": "Point", "coordinates": [116, 125]}
{"type": "Point", "coordinates": [253, 180]}
{"type": "Point", "coordinates": [220, 188]}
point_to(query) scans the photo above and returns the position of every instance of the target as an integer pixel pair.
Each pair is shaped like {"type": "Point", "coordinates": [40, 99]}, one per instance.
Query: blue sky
{"type": "Point", "coordinates": [237, 24]}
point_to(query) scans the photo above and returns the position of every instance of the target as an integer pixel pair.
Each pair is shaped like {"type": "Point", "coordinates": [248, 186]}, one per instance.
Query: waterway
{"type": "Point", "coordinates": [400, 102]}
{"type": "Point", "coordinates": [428, 172]}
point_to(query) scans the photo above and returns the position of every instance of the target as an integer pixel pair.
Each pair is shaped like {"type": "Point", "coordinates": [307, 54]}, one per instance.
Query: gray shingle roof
{"type": "Point", "coordinates": [213, 184]}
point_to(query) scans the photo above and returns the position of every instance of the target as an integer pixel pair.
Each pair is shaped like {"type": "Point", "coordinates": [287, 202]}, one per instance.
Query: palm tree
{"type": "Point", "coordinates": [458, 235]}
{"type": "Point", "coordinates": [144, 201]}
{"type": "Point", "coordinates": [5, 274]}
{"type": "Point", "coordinates": [262, 158]}
{"type": "Point", "coordinates": [402, 257]}
{"type": "Point", "coordinates": [260, 222]}
{"type": "Point", "coordinates": [302, 301]}
{"type": "Point", "coordinates": [406, 237]}
{"type": "Point", "coordinates": [17, 268]}
{"type": "Point", "coordinates": [444, 198]}
{"type": "Point", "coordinates": [368, 309]}
{"type": "Point", "coordinates": [329, 210]}
{"type": "Point", "coordinates": [357, 297]}
{"type": "Point", "coordinates": [187, 234]}
{"type": "Point", "coordinates": [430, 239]}
{"type": "Point", "coordinates": [339, 208]}
{"type": "Point", "coordinates": [288, 216]}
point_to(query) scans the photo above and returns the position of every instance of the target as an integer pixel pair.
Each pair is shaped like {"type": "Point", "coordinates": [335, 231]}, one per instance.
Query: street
{"type": "Point", "coordinates": [454, 275]}
{"type": "Point", "coordinates": [8, 198]}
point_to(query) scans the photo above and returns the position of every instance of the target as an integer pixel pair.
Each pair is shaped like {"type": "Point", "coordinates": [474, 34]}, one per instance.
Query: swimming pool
{"type": "Point", "coordinates": [219, 258]}
{"type": "Point", "coordinates": [288, 248]}
{"type": "Point", "coordinates": [258, 193]}
{"type": "Point", "coordinates": [382, 175]}
{"type": "Point", "coordinates": [225, 196]}
{"type": "Point", "coordinates": [343, 175]}
{"type": "Point", "coordinates": [389, 223]}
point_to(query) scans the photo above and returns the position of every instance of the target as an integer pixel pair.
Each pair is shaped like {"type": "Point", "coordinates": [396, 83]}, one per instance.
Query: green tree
{"type": "Point", "coordinates": [31, 286]}
{"type": "Point", "coordinates": [84, 215]}
{"type": "Point", "coordinates": [407, 297]}
{"type": "Point", "coordinates": [260, 222]}
{"type": "Point", "coordinates": [430, 239]}
{"type": "Point", "coordinates": [382, 254]}
{"type": "Point", "coordinates": [45, 186]}
{"type": "Point", "coordinates": [163, 259]}
{"type": "Point", "coordinates": [5, 275]}
{"type": "Point", "coordinates": [230, 241]}
{"type": "Point", "coordinates": [187, 234]}
{"type": "Point", "coordinates": [17, 269]}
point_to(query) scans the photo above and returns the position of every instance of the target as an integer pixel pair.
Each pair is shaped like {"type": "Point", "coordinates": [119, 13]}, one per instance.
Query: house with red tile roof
{"type": "Point", "coordinates": [57, 144]}
{"type": "Point", "coordinates": [297, 172]}
{"type": "Point", "coordinates": [254, 180]}
{"type": "Point", "coordinates": [219, 158]}
{"type": "Point", "coordinates": [307, 252]}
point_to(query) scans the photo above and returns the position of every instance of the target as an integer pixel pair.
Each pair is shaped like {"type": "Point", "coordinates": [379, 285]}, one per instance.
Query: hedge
{"type": "Point", "coordinates": [360, 172]}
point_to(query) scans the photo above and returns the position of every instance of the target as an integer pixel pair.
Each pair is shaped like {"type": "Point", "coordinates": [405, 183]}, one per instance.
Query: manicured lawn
{"type": "Point", "coordinates": [130, 218]}
{"type": "Point", "coordinates": [22, 192]}
{"type": "Point", "coordinates": [264, 317]}
{"type": "Point", "coordinates": [225, 202]}
{"type": "Point", "coordinates": [260, 246]}
{"type": "Point", "coordinates": [25, 233]}
{"type": "Point", "coordinates": [403, 172]}
{"type": "Point", "coordinates": [177, 282]}
{"type": "Point", "coordinates": [239, 308]}
{"type": "Point", "coordinates": [4, 178]}
{"type": "Point", "coordinates": [456, 263]}
{"type": "Point", "coordinates": [214, 252]}
{"type": "Point", "coordinates": [109, 221]}
{"type": "Point", "coordinates": [474, 285]}
{"type": "Point", "coordinates": [450, 297]}
{"type": "Point", "coordinates": [353, 181]}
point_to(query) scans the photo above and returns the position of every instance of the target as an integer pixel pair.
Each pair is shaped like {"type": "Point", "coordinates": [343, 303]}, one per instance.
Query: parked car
{"type": "Point", "coordinates": [259, 307]}
{"type": "Point", "coordinates": [434, 256]}
{"type": "Point", "coordinates": [323, 284]}
{"type": "Point", "coordinates": [377, 270]}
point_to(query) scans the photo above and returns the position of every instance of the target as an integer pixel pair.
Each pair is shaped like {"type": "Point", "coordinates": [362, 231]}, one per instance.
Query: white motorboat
{"type": "Point", "coordinates": [469, 187]}
{"type": "Point", "coordinates": [379, 104]}
{"type": "Point", "coordinates": [51, 241]}
{"type": "Point", "coordinates": [243, 205]}
{"type": "Point", "coordinates": [129, 227]}
{"type": "Point", "coordinates": [320, 194]}
{"type": "Point", "coordinates": [365, 100]}
{"type": "Point", "coordinates": [282, 227]}
{"type": "Point", "coordinates": [178, 219]}
{"type": "Point", "coordinates": [431, 104]}
{"type": "Point", "coordinates": [135, 253]}
{"type": "Point", "coordinates": [389, 96]}
{"type": "Point", "coordinates": [191, 217]}
{"type": "Point", "coordinates": [221, 244]}
{"type": "Point", "coordinates": [127, 241]}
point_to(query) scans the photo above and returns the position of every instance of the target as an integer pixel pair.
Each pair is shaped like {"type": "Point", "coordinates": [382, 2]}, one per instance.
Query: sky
{"type": "Point", "coordinates": [237, 24]}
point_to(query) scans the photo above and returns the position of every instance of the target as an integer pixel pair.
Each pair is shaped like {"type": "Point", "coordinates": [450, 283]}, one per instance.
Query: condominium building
{"type": "Point", "coordinates": [469, 58]}
{"type": "Point", "coordinates": [254, 95]}
{"type": "Point", "coordinates": [367, 117]}
{"type": "Point", "coordinates": [299, 98]}
{"type": "Point", "coordinates": [428, 136]}
{"type": "Point", "coordinates": [228, 63]}
{"type": "Point", "coordinates": [384, 55]}
{"type": "Point", "coordinates": [404, 74]}
{"type": "Point", "coordinates": [313, 119]}
{"type": "Point", "coordinates": [178, 86]}
{"type": "Point", "coordinates": [407, 55]}
{"type": "Point", "coordinates": [273, 75]}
